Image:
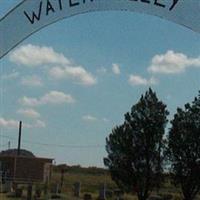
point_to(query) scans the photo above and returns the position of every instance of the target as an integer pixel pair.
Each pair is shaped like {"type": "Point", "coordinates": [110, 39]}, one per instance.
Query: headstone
{"type": "Point", "coordinates": [6, 187]}
{"type": "Point", "coordinates": [109, 194]}
{"type": "Point", "coordinates": [87, 197]}
{"type": "Point", "coordinates": [18, 192]}
{"type": "Point", "coordinates": [102, 193]}
{"type": "Point", "coordinates": [38, 192]}
{"type": "Point", "coordinates": [58, 189]}
{"type": "Point", "coordinates": [167, 196]}
{"type": "Point", "coordinates": [54, 188]}
{"type": "Point", "coordinates": [155, 198]}
{"type": "Point", "coordinates": [11, 195]}
{"type": "Point", "coordinates": [119, 194]}
{"type": "Point", "coordinates": [55, 196]}
{"type": "Point", "coordinates": [77, 189]}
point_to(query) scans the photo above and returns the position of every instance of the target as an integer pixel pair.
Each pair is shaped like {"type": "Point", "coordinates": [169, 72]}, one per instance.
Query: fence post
{"type": "Point", "coordinates": [29, 191]}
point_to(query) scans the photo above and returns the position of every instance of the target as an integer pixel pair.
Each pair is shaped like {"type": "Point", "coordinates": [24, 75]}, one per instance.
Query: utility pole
{"type": "Point", "coordinates": [19, 138]}
{"type": "Point", "coordinates": [9, 144]}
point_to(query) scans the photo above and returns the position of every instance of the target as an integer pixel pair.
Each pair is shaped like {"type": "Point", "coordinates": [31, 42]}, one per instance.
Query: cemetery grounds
{"type": "Point", "coordinates": [91, 180]}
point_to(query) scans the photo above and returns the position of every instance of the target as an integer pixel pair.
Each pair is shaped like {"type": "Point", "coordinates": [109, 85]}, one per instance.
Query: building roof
{"type": "Point", "coordinates": [13, 152]}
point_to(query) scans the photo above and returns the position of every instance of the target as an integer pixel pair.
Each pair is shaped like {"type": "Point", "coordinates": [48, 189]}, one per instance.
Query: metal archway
{"type": "Point", "coordinates": [32, 15]}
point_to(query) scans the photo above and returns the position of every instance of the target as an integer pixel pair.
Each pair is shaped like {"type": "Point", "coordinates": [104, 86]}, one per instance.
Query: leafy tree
{"type": "Point", "coordinates": [184, 148]}
{"type": "Point", "coordinates": [135, 149]}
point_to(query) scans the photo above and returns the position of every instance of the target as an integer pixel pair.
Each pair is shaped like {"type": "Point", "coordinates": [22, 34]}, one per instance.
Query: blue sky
{"type": "Point", "coordinates": [72, 82]}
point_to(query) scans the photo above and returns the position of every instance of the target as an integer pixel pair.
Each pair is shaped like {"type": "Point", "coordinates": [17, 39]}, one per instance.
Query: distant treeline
{"type": "Point", "coordinates": [77, 169]}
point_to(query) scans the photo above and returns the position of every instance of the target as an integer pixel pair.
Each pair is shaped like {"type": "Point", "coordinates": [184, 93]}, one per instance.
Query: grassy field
{"type": "Point", "coordinates": [91, 180]}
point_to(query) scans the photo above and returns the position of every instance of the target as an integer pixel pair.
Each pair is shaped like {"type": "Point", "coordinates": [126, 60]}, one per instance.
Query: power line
{"type": "Point", "coordinates": [55, 145]}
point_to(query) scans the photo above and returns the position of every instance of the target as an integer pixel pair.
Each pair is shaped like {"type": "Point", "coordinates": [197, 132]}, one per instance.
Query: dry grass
{"type": "Point", "coordinates": [91, 183]}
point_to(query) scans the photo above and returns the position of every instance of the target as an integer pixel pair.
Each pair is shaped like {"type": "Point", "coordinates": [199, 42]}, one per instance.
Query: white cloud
{"type": "Point", "coordinates": [32, 55]}
{"type": "Point", "coordinates": [37, 124]}
{"type": "Point", "coordinates": [32, 81]}
{"type": "Point", "coordinates": [10, 76]}
{"type": "Point", "coordinates": [102, 70]}
{"type": "Point", "coordinates": [29, 113]}
{"type": "Point", "coordinates": [11, 123]}
{"type": "Point", "coordinates": [77, 74]}
{"type": "Point", "coordinates": [136, 80]}
{"type": "Point", "coordinates": [53, 97]}
{"type": "Point", "coordinates": [172, 63]}
{"type": "Point", "coordinates": [56, 97]}
{"type": "Point", "coordinates": [27, 101]}
{"type": "Point", "coordinates": [116, 69]}
{"type": "Point", "coordinates": [169, 97]}
{"type": "Point", "coordinates": [8, 123]}
{"type": "Point", "coordinates": [89, 118]}
{"type": "Point", "coordinates": [105, 120]}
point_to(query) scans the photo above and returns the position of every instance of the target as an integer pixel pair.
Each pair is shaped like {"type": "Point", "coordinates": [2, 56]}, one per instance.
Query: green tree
{"type": "Point", "coordinates": [135, 149]}
{"type": "Point", "coordinates": [184, 149]}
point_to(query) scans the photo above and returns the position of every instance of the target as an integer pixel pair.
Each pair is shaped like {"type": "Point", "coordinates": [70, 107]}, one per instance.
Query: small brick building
{"type": "Point", "coordinates": [24, 168]}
